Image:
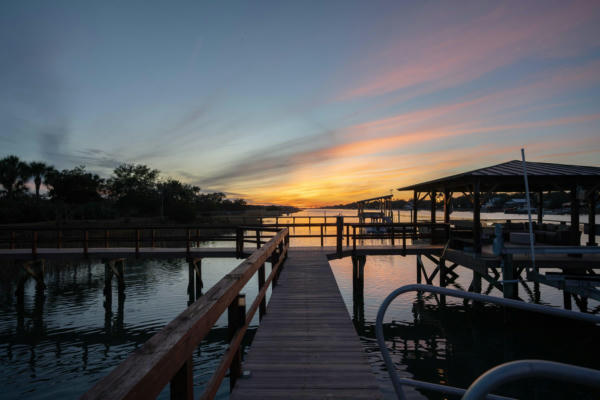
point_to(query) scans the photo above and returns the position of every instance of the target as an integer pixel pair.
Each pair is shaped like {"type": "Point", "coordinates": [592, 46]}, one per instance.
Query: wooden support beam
{"type": "Point", "coordinates": [592, 218]}
{"type": "Point", "coordinates": [574, 216]}
{"type": "Point", "coordinates": [432, 196]}
{"type": "Point", "coordinates": [540, 210]}
{"type": "Point", "coordinates": [476, 217]}
{"type": "Point", "coordinates": [340, 234]}
{"type": "Point", "coordinates": [182, 384]}
{"type": "Point", "coordinates": [236, 317]}
{"type": "Point", "coordinates": [509, 278]}
{"type": "Point", "coordinates": [447, 199]}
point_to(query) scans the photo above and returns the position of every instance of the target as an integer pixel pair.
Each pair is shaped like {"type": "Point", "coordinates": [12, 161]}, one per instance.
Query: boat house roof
{"type": "Point", "coordinates": [508, 177]}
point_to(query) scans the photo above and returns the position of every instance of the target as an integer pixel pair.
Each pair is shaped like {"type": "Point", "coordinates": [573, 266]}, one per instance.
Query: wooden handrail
{"type": "Point", "coordinates": [149, 369]}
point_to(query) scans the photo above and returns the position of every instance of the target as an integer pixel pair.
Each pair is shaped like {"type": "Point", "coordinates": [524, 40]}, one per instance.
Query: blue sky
{"type": "Point", "coordinates": [307, 103]}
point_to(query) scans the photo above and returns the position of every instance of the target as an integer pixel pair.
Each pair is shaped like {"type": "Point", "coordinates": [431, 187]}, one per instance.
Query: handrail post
{"type": "Point", "coordinates": [340, 231]}
{"type": "Point", "coordinates": [236, 317]}
{"type": "Point", "coordinates": [197, 237]}
{"type": "Point", "coordinates": [348, 235]}
{"type": "Point", "coordinates": [182, 384]}
{"type": "Point", "coordinates": [239, 242]}
{"type": "Point", "coordinates": [153, 238]}
{"type": "Point", "coordinates": [59, 239]}
{"type": "Point", "coordinates": [404, 238]}
{"type": "Point", "coordinates": [262, 310]}
{"type": "Point", "coordinates": [354, 237]}
{"type": "Point", "coordinates": [321, 235]}
{"type": "Point", "coordinates": [258, 238]}
{"type": "Point", "coordinates": [393, 238]}
{"type": "Point", "coordinates": [106, 236]}
{"type": "Point", "coordinates": [12, 240]}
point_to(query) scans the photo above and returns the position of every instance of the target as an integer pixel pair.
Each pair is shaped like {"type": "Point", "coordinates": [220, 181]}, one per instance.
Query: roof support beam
{"type": "Point", "coordinates": [476, 217]}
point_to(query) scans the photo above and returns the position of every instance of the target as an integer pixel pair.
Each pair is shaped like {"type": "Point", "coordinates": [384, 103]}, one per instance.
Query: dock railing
{"type": "Point", "coordinates": [167, 356]}
{"type": "Point", "coordinates": [488, 383]}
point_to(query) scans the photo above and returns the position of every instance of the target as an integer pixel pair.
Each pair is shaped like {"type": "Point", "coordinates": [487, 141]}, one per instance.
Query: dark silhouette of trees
{"type": "Point", "coordinates": [39, 171]}
{"type": "Point", "coordinates": [134, 189]}
{"type": "Point", "coordinates": [74, 186]}
{"type": "Point", "coordinates": [13, 175]}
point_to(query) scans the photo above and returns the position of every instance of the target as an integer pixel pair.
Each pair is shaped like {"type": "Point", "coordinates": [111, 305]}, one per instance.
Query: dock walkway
{"type": "Point", "coordinates": [306, 345]}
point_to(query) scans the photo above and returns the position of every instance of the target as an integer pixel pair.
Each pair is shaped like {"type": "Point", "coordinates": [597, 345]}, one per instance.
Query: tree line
{"type": "Point", "coordinates": [37, 191]}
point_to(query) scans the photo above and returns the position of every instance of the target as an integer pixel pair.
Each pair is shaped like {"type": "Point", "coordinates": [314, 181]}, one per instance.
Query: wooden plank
{"type": "Point", "coordinates": [306, 345]}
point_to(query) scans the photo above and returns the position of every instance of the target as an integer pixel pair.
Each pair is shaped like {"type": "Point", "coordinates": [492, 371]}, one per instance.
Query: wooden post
{"type": "Point", "coordinates": [447, 200]}
{"type": "Point", "coordinates": [574, 217]}
{"type": "Point", "coordinates": [106, 237]}
{"type": "Point", "coordinates": [592, 219]}
{"type": "Point", "coordinates": [321, 235]}
{"type": "Point", "coordinates": [197, 237]}
{"type": "Point", "coordinates": [262, 309]}
{"type": "Point", "coordinates": [415, 212]}
{"type": "Point", "coordinates": [540, 216]}
{"type": "Point", "coordinates": [393, 238]}
{"type": "Point", "coordinates": [120, 266]}
{"type": "Point", "coordinates": [182, 384]}
{"type": "Point", "coordinates": [198, 274]}
{"type": "Point", "coordinates": [85, 242]}
{"type": "Point", "coordinates": [191, 290]}
{"type": "Point", "coordinates": [258, 238]}
{"type": "Point", "coordinates": [404, 239]}
{"type": "Point", "coordinates": [153, 238]}
{"type": "Point", "coordinates": [340, 233]}
{"type": "Point", "coordinates": [432, 197]}
{"type": "Point", "coordinates": [276, 222]}
{"type": "Point", "coordinates": [348, 235]}
{"type": "Point", "coordinates": [567, 300]}
{"type": "Point", "coordinates": [239, 242]}
{"type": "Point", "coordinates": [236, 317]}
{"type": "Point", "coordinates": [358, 287]}
{"type": "Point", "coordinates": [59, 239]}
{"type": "Point", "coordinates": [12, 240]}
{"type": "Point", "coordinates": [353, 238]}
{"type": "Point", "coordinates": [509, 288]}
{"type": "Point", "coordinates": [476, 217]}
{"type": "Point", "coordinates": [419, 267]}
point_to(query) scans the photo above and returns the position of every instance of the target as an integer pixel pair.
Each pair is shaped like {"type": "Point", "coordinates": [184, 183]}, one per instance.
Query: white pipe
{"type": "Point", "coordinates": [528, 211]}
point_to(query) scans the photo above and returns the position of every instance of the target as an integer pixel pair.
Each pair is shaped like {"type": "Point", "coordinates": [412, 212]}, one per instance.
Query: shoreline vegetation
{"type": "Point", "coordinates": [37, 194]}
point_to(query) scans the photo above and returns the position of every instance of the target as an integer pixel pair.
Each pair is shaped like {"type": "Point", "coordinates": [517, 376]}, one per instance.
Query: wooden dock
{"type": "Point", "coordinates": [306, 346]}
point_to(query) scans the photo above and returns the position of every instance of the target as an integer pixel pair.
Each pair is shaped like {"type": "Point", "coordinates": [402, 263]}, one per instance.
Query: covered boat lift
{"type": "Point", "coordinates": [582, 182]}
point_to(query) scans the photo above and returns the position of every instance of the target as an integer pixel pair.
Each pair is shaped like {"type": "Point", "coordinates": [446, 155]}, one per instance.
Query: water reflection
{"type": "Point", "coordinates": [91, 316]}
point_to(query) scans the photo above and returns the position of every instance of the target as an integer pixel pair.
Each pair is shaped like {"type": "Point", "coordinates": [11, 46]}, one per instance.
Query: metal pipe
{"type": "Point", "coordinates": [396, 381]}
{"type": "Point", "coordinates": [515, 370]}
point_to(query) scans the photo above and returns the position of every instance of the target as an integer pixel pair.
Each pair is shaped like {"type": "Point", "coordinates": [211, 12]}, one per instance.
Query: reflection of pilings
{"type": "Point", "coordinates": [195, 284]}
{"type": "Point", "coordinates": [114, 268]}
{"type": "Point", "coordinates": [358, 287]}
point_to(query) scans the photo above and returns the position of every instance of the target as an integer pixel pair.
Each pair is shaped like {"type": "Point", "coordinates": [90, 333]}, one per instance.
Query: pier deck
{"type": "Point", "coordinates": [306, 345]}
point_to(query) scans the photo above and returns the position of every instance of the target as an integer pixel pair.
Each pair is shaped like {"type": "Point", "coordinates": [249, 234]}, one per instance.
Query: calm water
{"type": "Point", "coordinates": [59, 343]}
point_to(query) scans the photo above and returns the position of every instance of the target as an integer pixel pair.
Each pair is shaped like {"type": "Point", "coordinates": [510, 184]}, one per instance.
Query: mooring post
{"type": "Point", "coordinates": [198, 274]}
{"type": "Point", "coordinates": [182, 384]}
{"type": "Point", "coordinates": [191, 291]}
{"type": "Point", "coordinates": [236, 317]}
{"type": "Point", "coordinates": [358, 286]}
{"type": "Point", "coordinates": [340, 233]}
{"type": "Point", "coordinates": [262, 309]}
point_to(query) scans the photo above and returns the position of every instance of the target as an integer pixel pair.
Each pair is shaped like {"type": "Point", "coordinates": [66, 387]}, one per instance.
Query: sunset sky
{"type": "Point", "coordinates": [303, 103]}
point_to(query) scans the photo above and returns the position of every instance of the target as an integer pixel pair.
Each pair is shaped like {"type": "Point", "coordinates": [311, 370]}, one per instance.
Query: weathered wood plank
{"type": "Point", "coordinates": [306, 345]}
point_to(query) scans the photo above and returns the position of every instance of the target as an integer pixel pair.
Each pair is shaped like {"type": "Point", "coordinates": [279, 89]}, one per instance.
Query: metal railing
{"type": "Point", "coordinates": [398, 382]}
{"type": "Point", "coordinates": [515, 370]}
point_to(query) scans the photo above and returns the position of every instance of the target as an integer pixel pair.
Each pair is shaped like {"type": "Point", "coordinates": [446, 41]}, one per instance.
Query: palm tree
{"type": "Point", "coordinates": [39, 171]}
{"type": "Point", "coordinates": [13, 174]}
